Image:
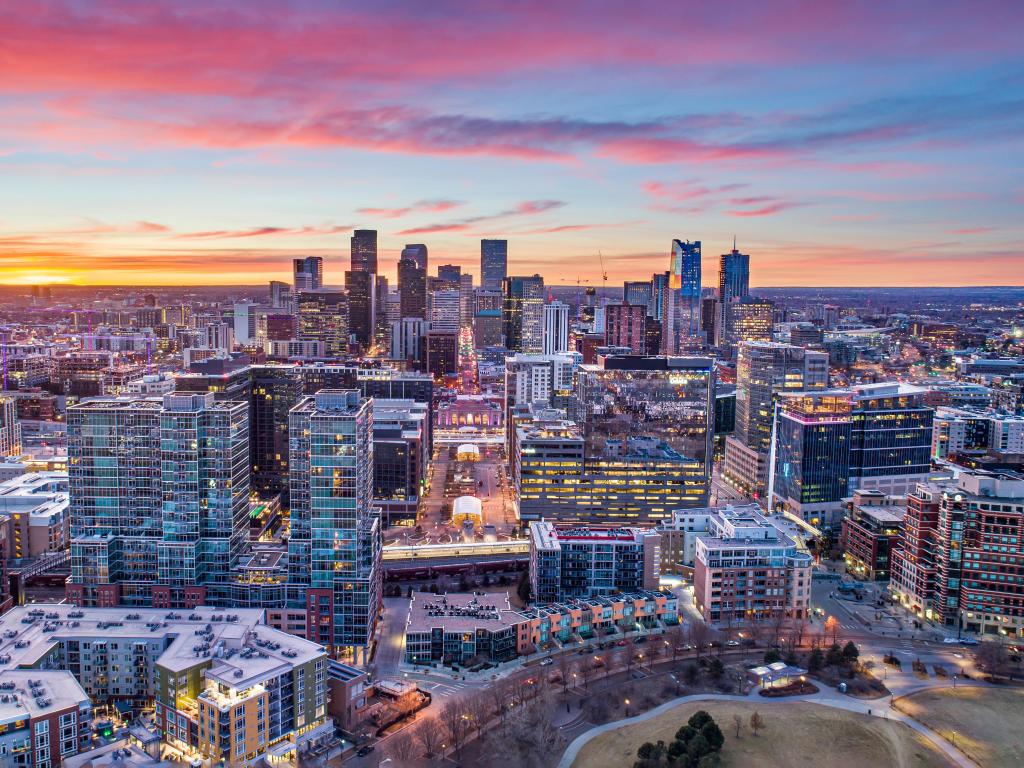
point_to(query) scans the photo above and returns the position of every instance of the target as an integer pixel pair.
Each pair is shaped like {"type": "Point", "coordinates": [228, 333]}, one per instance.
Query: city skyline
{"type": "Point", "coordinates": [141, 148]}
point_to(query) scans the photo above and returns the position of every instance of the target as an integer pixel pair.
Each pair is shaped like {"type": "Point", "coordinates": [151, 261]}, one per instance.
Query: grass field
{"type": "Point", "coordinates": [988, 721]}
{"type": "Point", "coordinates": [794, 735]}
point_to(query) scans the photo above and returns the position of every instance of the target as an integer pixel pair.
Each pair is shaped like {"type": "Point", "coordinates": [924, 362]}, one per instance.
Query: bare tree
{"type": "Point", "coordinates": [430, 734]}
{"type": "Point", "coordinates": [587, 669]}
{"type": "Point", "coordinates": [737, 720]}
{"type": "Point", "coordinates": [674, 637]}
{"type": "Point", "coordinates": [609, 660]}
{"type": "Point", "coordinates": [499, 696]}
{"type": "Point", "coordinates": [756, 722]}
{"type": "Point", "coordinates": [630, 650]}
{"type": "Point", "coordinates": [456, 719]}
{"type": "Point", "coordinates": [564, 671]}
{"type": "Point", "coordinates": [991, 657]}
{"type": "Point", "coordinates": [700, 633]}
{"type": "Point", "coordinates": [777, 622]}
{"type": "Point", "coordinates": [528, 739]}
{"type": "Point", "coordinates": [401, 746]}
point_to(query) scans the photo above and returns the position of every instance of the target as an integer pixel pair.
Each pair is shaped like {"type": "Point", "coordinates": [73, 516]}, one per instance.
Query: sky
{"type": "Point", "coordinates": [866, 143]}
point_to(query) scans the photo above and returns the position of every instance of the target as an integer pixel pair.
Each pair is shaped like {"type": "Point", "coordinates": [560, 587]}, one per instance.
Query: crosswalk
{"type": "Point", "coordinates": [443, 690]}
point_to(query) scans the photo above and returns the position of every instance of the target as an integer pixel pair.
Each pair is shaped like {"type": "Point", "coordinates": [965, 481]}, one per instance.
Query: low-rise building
{"type": "Point", "coordinates": [37, 503]}
{"type": "Point", "coordinates": [747, 569]}
{"type": "Point", "coordinates": [588, 562]}
{"type": "Point", "coordinates": [458, 628]}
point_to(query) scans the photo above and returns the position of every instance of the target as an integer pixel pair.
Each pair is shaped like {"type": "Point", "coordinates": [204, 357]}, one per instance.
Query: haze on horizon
{"type": "Point", "coordinates": [208, 143]}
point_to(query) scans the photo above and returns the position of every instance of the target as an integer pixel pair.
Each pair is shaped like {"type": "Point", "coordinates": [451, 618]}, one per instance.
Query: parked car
{"type": "Point", "coordinates": [364, 751]}
{"type": "Point", "coordinates": [641, 639]}
{"type": "Point", "coordinates": [547, 662]}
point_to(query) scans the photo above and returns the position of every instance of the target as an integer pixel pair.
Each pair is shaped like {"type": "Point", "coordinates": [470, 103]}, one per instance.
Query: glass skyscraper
{"type": "Point", "coordinates": [522, 313]}
{"type": "Point", "coordinates": [364, 250]}
{"type": "Point", "coordinates": [681, 312]}
{"type": "Point", "coordinates": [493, 264]}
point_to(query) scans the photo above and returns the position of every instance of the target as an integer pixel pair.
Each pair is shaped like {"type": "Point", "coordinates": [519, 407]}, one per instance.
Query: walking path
{"type": "Point", "coordinates": [825, 697]}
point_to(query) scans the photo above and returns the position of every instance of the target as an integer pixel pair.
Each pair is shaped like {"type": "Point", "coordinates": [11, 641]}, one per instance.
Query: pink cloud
{"type": "Point", "coordinates": [224, 234]}
{"type": "Point", "coordinates": [426, 206]}
{"type": "Point", "coordinates": [971, 231]}
{"type": "Point", "coordinates": [432, 228]}
{"type": "Point", "coordinates": [765, 210]}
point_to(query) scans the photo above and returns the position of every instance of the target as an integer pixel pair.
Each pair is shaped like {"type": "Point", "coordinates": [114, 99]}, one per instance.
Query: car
{"type": "Point", "coordinates": [733, 643]}
{"type": "Point", "coordinates": [641, 639]}
{"type": "Point", "coordinates": [968, 641]}
{"type": "Point", "coordinates": [547, 662]}
{"type": "Point", "coordinates": [597, 662]}
{"type": "Point", "coordinates": [951, 641]}
{"type": "Point", "coordinates": [621, 643]}
{"type": "Point", "coordinates": [364, 751]}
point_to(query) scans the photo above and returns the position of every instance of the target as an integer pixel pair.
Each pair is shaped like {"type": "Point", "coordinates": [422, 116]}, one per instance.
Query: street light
{"type": "Point", "coordinates": [627, 707]}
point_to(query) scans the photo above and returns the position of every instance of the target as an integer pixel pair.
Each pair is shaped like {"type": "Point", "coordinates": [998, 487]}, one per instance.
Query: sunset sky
{"type": "Point", "coordinates": [849, 143]}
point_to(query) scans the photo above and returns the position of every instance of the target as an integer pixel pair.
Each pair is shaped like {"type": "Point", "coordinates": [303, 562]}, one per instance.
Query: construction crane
{"type": "Point", "coordinates": [604, 272]}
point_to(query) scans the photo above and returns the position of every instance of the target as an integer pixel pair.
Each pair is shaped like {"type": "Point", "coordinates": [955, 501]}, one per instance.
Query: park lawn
{"type": "Point", "coordinates": [793, 735]}
{"type": "Point", "coordinates": [987, 721]}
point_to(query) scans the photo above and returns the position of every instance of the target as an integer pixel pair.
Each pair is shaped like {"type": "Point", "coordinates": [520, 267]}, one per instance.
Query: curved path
{"type": "Point", "coordinates": [825, 697]}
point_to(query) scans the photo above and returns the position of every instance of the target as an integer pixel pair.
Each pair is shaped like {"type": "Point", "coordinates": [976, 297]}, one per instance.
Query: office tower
{"type": "Point", "coordinates": [466, 299]}
{"type": "Point", "coordinates": [407, 339]}
{"type": "Point", "coordinates": [412, 287]}
{"type": "Point", "coordinates": [382, 329]}
{"type": "Point", "coordinates": [441, 353]}
{"type": "Point", "coordinates": [308, 274]}
{"type": "Point", "coordinates": [710, 317]}
{"type": "Point", "coordinates": [444, 307]}
{"type": "Point", "coordinates": [280, 294]}
{"type": "Point", "coordinates": [626, 326]}
{"type": "Point", "coordinates": [493, 264]}
{"type": "Point", "coordinates": [805, 334]}
{"type": "Point", "coordinates": [652, 336]}
{"type": "Point", "coordinates": [334, 553]}
{"type": "Point", "coordinates": [745, 319]}
{"type": "Point", "coordinates": [280, 327]}
{"type": "Point", "coordinates": [523, 313]}
{"type": "Point", "coordinates": [362, 305]}
{"type": "Point", "coordinates": [487, 329]}
{"type": "Point", "coordinates": [556, 328]}
{"type": "Point", "coordinates": [637, 292]}
{"type": "Point", "coordinates": [323, 317]}
{"type": "Point", "coordinates": [659, 285]}
{"type": "Point", "coordinates": [364, 250]}
{"type": "Point", "coordinates": [245, 315]}
{"type": "Point", "coordinates": [274, 392]}
{"type": "Point", "coordinates": [159, 499]}
{"type": "Point", "coordinates": [763, 371]}
{"type": "Point", "coordinates": [890, 438]}
{"type": "Point", "coordinates": [10, 428]}
{"type": "Point", "coordinates": [220, 336]}
{"type": "Point", "coordinates": [418, 253]}
{"type": "Point", "coordinates": [733, 276]}
{"type": "Point", "coordinates": [681, 312]}
{"type": "Point", "coordinates": [451, 273]}
{"type": "Point", "coordinates": [584, 562]}
{"type": "Point", "coordinates": [647, 423]}
{"type": "Point", "coordinates": [746, 569]}
{"type": "Point", "coordinates": [813, 455]}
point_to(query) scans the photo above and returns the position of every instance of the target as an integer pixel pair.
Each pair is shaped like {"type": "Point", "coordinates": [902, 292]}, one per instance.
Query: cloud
{"type": "Point", "coordinates": [427, 206]}
{"type": "Point", "coordinates": [525, 208]}
{"type": "Point", "coordinates": [765, 210]}
{"type": "Point", "coordinates": [265, 231]}
{"type": "Point", "coordinates": [971, 231]}
{"type": "Point", "coordinates": [433, 228]}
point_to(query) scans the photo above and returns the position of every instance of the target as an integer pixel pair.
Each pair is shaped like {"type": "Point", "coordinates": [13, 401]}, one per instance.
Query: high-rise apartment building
{"type": "Point", "coordinates": [745, 319]}
{"type": "Point", "coordinates": [364, 250]}
{"type": "Point", "coordinates": [10, 428]}
{"type": "Point", "coordinates": [407, 338]}
{"type": "Point", "coordinates": [334, 552]}
{"type": "Point", "coordinates": [556, 328]}
{"type": "Point", "coordinates": [493, 264]}
{"type": "Point", "coordinates": [523, 313]}
{"type": "Point", "coordinates": [159, 495]}
{"type": "Point", "coordinates": [308, 273]}
{"type": "Point", "coordinates": [681, 312]}
{"type": "Point", "coordinates": [323, 316]}
{"type": "Point", "coordinates": [362, 306]}
{"type": "Point", "coordinates": [444, 308]}
{"type": "Point", "coordinates": [626, 326]}
{"type": "Point", "coordinates": [747, 569]}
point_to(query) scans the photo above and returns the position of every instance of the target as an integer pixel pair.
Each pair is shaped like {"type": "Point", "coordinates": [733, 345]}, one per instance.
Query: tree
{"type": "Point", "coordinates": [772, 655]}
{"type": "Point", "coordinates": [834, 656]}
{"type": "Point", "coordinates": [456, 720]}
{"type": "Point", "coordinates": [991, 656]}
{"type": "Point", "coordinates": [523, 589]}
{"type": "Point", "coordinates": [832, 628]}
{"type": "Point", "coordinates": [565, 672]}
{"type": "Point", "coordinates": [499, 693]}
{"type": "Point", "coordinates": [791, 659]}
{"type": "Point", "coordinates": [700, 632]}
{"type": "Point", "coordinates": [850, 652]}
{"type": "Point", "coordinates": [713, 735]}
{"type": "Point", "coordinates": [645, 751]}
{"type": "Point", "coordinates": [737, 720]}
{"type": "Point", "coordinates": [756, 722]}
{"type": "Point", "coordinates": [716, 668]}
{"type": "Point", "coordinates": [690, 673]}
{"type": "Point", "coordinates": [686, 733]}
{"type": "Point", "coordinates": [430, 734]}
{"type": "Point", "coordinates": [699, 719]}
{"type": "Point", "coordinates": [696, 748]}
{"type": "Point", "coordinates": [401, 747]}
{"type": "Point", "coordinates": [816, 660]}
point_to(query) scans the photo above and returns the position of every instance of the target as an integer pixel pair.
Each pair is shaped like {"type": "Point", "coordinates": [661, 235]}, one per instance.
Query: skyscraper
{"type": "Point", "coordinates": [364, 250]}
{"type": "Point", "coordinates": [523, 313]}
{"type": "Point", "coordinates": [733, 276]}
{"type": "Point", "coordinates": [493, 264]}
{"type": "Point", "coordinates": [681, 312]}
{"type": "Point", "coordinates": [362, 305]}
{"type": "Point", "coordinates": [637, 292]}
{"type": "Point", "coordinates": [308, 273]}
{"type": "Point", "coordinates": [323, 316]}
{"type": "Point", "coordinates": [745, 319]}
{"type": "Point", "coordinates": [556, 328]}
{"type": "Point", "coordinates": [10, 427]}
{"type": "Point", "coordinates": [659, 284]}
{"type": "Point", "coordinates": [159, 499]}
{"type": "Point", "coordinates": [626, 326]}
{"type": "Point", "coordinates": [449, 272]}
{"type": "Point", "coordinates": [280, 294]}
{"type": "Point", "coordinates": [412, 286]}
{"type": "Point", "coordinates": [334, 552]}
{"type": "Point", "coordinates": [418, 253]}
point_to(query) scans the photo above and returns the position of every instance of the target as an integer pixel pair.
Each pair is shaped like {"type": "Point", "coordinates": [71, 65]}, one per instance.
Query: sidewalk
{"type": "Point", "coordinates": [827, 697]}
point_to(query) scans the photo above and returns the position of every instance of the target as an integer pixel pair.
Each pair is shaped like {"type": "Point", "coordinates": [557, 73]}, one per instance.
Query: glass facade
{"type": "Point", "coordinates": [813, 444]}
{"type": "Point", "coordinates": [891, 435]}
{"type": "Point", "coordinates": [493, 264]}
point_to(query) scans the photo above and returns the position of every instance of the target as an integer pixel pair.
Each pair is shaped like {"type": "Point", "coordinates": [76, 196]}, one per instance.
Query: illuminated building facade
{"type": "Point", "coordinates": [681, 312]}
{"type": "Point", "coordinates": [523, 313]}
{"type": "Point", "coordinates": [323, 317]}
